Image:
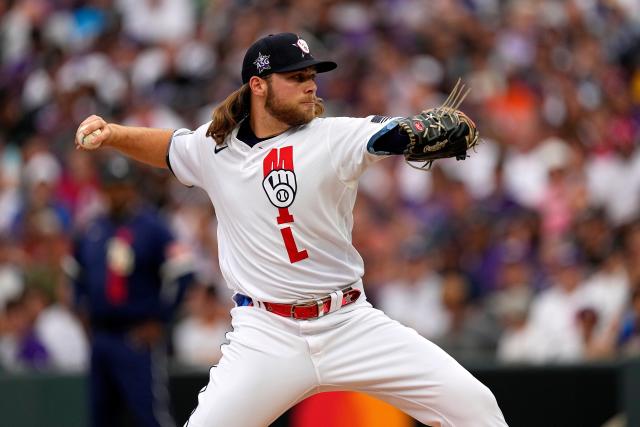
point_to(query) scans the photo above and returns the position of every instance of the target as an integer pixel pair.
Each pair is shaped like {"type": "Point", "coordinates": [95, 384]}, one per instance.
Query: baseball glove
{"type": "Point", "coordinates": [439, 132]}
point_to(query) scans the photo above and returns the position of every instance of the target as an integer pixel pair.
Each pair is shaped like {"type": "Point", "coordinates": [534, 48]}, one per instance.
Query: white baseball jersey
{"type": "Point", "coordinates": [284, 206]}
{"type": "Point", "coordinates": [284, 210]}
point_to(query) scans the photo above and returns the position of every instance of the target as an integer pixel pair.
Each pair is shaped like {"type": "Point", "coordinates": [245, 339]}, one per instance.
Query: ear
{"type": "Point", "coordinates": [258, 86]}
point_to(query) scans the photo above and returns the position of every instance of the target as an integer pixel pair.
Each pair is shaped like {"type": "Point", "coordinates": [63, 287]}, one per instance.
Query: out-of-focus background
{"type": "Point", "coordinates": [526, 254]}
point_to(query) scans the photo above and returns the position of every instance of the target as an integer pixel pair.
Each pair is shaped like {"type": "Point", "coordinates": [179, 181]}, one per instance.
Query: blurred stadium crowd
{"type": "Point", "coordinates": [528, 251]}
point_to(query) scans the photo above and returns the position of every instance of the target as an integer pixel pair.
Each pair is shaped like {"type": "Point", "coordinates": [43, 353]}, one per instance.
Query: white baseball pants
{"type": "Point", "coordinates": [273, 362]}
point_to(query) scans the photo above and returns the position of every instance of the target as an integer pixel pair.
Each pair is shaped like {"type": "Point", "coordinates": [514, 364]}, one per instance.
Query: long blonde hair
{"type": "Point", "coordinates": [229, 113]}
{"type": "Point", "coordinates": [236, 107]}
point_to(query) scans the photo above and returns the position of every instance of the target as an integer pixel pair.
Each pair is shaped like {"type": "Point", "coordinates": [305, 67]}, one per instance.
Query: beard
{"type": "Point", "coordinates": [289, 112]}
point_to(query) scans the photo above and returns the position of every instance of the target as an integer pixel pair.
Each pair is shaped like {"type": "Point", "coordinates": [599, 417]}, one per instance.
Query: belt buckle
{"type": "Point", "coordinates": [300, 303]}
{"type": "Point", "coordinates": [319, 302]}
{"type": "Point", "coordinates": [308, 303]}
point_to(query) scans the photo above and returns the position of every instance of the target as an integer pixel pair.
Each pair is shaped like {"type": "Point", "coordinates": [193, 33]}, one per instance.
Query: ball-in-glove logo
{"type": "Point", "coordinates": [280, 186]}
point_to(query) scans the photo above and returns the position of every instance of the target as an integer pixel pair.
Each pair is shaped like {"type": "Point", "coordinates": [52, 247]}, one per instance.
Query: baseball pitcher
{"type": "Point", "coordinates": [283, 182]}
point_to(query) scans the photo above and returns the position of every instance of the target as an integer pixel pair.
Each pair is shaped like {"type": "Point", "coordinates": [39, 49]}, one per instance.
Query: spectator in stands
{"type": "Point", "coordinates": [510, 303]}
{"type": "Point", "coordinates": [595, 345]}
{"type": "Point", "coordinates": [414, 298]}
{"type": "Point", "coordinates": [472, 332]}
{"type": "Point", "coordinates": [554, 311]}
{"type": "Point", "coordinates": [199, 336]}
{"type": "Point", "coordinates": [517, 342]}
{"type": "Point", "coordinates": [10, 168]}
{"type": "Point", "coordinates": [11, 277]}
{"type": "Point", "coordinates": [607, 291]}
{"type": "Point", "coordinates": [78, 189]}
{"type": "Point", "coordinates": [630, 235]}
{"type": "Point", "coordinates": [20, 347]}
{"type": "Point", "coordinates": [60, 331]}
{"type": "Point", "coordinates": [41, 173]}
{"type": "Point", "coordinates": [629, 338]}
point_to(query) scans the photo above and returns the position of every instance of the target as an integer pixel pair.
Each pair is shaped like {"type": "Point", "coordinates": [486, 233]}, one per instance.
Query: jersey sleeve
{"type": "Point", "coordinates": [349, 139]}
{"type": "Point", "coordinates": [186, 150]}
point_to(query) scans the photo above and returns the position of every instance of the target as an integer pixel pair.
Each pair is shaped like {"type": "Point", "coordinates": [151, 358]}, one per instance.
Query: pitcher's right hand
{"type": "Point", "coordinates": [92, 132]}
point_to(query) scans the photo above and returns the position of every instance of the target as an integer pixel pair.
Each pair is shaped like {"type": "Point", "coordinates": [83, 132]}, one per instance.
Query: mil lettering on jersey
{"type": "Point", "coordinates": [280, 185]}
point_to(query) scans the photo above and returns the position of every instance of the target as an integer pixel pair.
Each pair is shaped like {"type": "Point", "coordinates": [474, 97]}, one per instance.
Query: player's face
{"type": "Point", "coordinates": [291, 97]}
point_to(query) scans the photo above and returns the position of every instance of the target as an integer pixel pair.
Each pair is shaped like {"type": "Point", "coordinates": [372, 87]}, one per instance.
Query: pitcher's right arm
{"type": "Point", "coordinates": [146, 145]}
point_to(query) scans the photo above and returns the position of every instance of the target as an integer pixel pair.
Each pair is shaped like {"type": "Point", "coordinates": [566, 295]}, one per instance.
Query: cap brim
{"type": "Point", "coordinates": [320, 66]}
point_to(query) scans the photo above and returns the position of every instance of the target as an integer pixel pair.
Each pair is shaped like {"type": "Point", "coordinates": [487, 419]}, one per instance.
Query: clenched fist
{"type": "Point", "coordinates": [92, 132]}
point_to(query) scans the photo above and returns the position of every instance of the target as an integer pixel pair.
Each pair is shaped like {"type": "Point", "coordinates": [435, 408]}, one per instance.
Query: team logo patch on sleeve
{"type": "Point", "coordinates": [380, 119]}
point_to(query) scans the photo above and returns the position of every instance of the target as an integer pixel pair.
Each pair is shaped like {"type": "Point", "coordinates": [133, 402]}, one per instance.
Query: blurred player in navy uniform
{"type": "Point", "coordinates": [131, 277]}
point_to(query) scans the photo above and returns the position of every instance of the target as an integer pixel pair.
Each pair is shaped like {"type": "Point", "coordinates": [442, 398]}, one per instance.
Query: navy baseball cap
{"type": "Point", "coordinates": [280, 53]}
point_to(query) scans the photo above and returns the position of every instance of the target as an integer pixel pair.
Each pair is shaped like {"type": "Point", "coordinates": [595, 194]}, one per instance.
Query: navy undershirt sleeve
{"type": "Point", "coordinates": [389, 140]}
{"type": "Point", "coordinates": [392, 142]}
